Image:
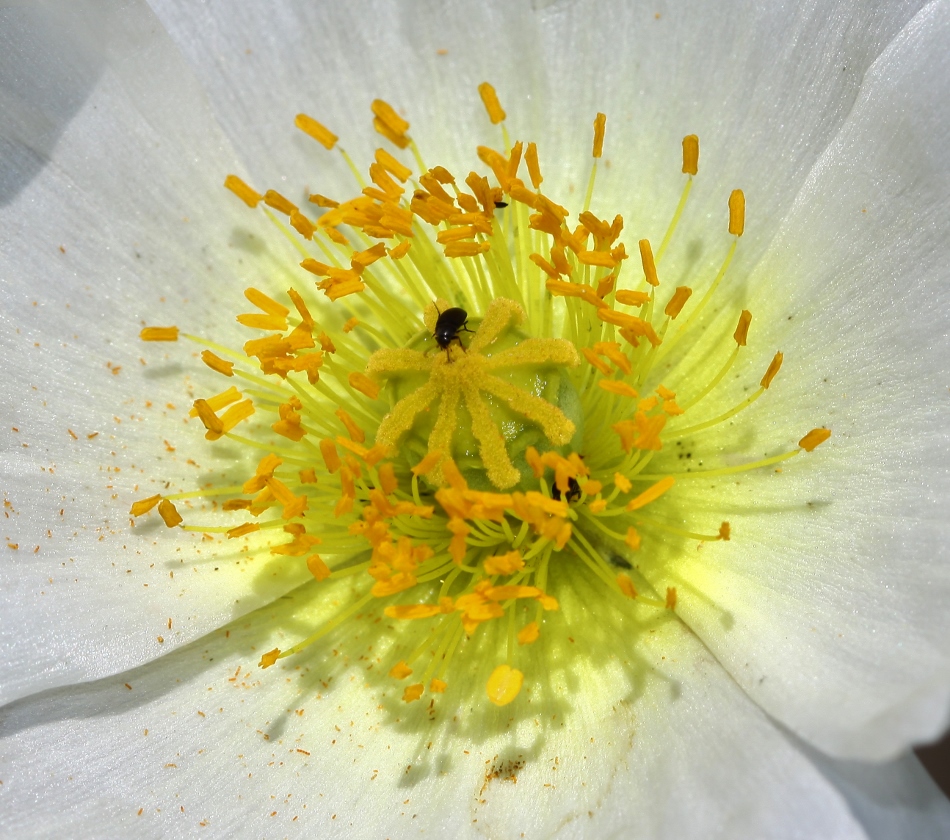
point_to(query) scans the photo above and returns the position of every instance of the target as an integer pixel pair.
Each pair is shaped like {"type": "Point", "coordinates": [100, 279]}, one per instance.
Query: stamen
{"type": "Point", "coordinates": [159, 334]}
{"type": "Point", "coordinates": [814, 438]}
{"type": "Point", "coordinates": [249, 196]}
{"type": "Point", "coordinates": [690, 154]}
{"type": "Point", "coordinates": [490, 100]}
{"type": "Point", "coordinates": [736, 213]}
{"type": "Point", "coordinates": [649, 266]}
{"type": "Point", "coordinates": [600, 128]}
{"type": "Point", "coordinates": [477, 336]}
{"type": "Point", "coordinates": [319, 132]}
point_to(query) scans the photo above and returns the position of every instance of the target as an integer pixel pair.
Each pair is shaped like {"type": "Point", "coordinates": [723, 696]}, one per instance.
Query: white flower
{"type": "Point", "coordinates": [817, 641]}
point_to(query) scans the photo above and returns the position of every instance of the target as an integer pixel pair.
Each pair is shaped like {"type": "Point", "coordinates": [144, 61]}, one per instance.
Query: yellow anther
{"type": "Point", "coordinates": [678, 301]}
{"type": "Point", "coordinates": [413, 692]}
{"type": "Point", "coordinates": [529, 633]}
{"type": "Point", "coordinates": [600, 127]}
{"type": "Point", "coordinates": [387, 114]}
{"type": "Point", "coordinates": [596, 361]}
{"type": "Point", "coordinates": [269, 658]}
{"type": "Point", "coordinates": [774, 367]}
{"type": "Point", "coordinates": [626, 585]}
{"type": "Point", "coordinates": [265, 303]}
{"type": "Point", "coordinates": [531, 161]}
{"type": "Point", "coordinates": [159, 334]}
{"type": "Point", "coordinates": [671, 597]}
{"type": "Point", "coordinates": [400, 250]}
{"type": "Point", "coordinates": [621, 388]}
{"type": "Point", "coordinates": [628, 298]}
{"type": "Point", "coordinates": [362, 383]}
{"type": "Point", "coordinates": [427, 464]}
{"type": "Point", "coordinates": [169, 513]}
{"type": "Point", "coordinates": [690, 154]}
{"type": "Point", "coordinates": [651, 494]}
{"type": "Point", "coordinates": [393, 166]}
{"type": "Point", "coordinates": [249, 196]}
{"type": "Point", "coordinates": [504, 684]}
{"type": "Point", "coordinates": [323, 201]}
{"type": "Point", "coordinates": [622, 482]}
{"type": "Point", "coordinates": [490, 100]}
{"type": "Point", "coordinates": [504, 564]}
{"type": "Point", "coordinates": [400, 670]}
{"type": "Point", "coordinates": [742, 328]}
{"type": "Point", "coordinates": [437, 686]}
{"type": "Point", "coordinates": [649, 266]}
{"type": "Point", "coordinates": [317, 567]}
{"type": "Point", "coordinates": [207, 416]}
{"type": "Point", "coordinates": [632, 539]}
{"type": "Point", "coordinates": [725, 532]}
{"type": "Point", "coordinates": [354, 431]}
{"type": "Point", "coordinates": [241, 530]}
{"type": "Point", "coordinates": [284, 205]}
{"type": "Point", "coordinates": [216, 363]}
{"type": "Point", "coordinates": [318, 131]}
{"type": "Point", "coordinates": [331, 457]}
{"type": "Point", "coordinates": [144, 505]}
{"type": "Point", "coordinates": [814, 438]}
{"type": "Point", "coordinates": [736, 213]}
{"type": "Point", "coordinates": [598, 258]}
{"type": "Point", "coordinates": [466, 249]}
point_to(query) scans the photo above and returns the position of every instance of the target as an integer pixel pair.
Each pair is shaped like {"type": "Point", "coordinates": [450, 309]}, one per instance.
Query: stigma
{"type": "Point", "coordinates": [461, 392]}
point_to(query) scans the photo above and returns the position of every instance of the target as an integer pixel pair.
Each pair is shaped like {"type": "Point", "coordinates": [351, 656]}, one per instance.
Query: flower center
{"type": "Point", "coordinates": [472, 401]}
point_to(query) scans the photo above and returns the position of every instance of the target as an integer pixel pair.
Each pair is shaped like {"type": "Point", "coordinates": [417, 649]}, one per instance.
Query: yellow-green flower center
{"type": "Point", "coordinates": [472, 400]}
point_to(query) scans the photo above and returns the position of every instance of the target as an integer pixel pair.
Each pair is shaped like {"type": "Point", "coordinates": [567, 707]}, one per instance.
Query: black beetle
{"type": "Point", "coordinates": [573, 491]}
{"type": "Point", "coordinates": [448, 326]}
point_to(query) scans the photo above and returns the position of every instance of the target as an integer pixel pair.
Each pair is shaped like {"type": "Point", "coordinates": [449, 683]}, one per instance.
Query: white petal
{"type": "Point", "coordinates": [829, 605]}
{"type": "Point", "coordinates": [764, 85]}
{"type": "Point", "coordinates": [95, 242]}
{"type": "Point", "coordinates": [644, 736]}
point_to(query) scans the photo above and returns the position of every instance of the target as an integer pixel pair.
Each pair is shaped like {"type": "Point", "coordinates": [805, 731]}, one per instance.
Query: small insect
{"type": "Point", "coordinates": [448, 326]}
{"type": "Point", "coordinates": [619, 562]}
{"type": "Point", "coordinates": [573, 491]}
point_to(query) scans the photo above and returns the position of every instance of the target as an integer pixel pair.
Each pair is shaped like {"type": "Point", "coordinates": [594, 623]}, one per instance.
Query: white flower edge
{"type": "Point", "coordinates": [658, 742]}
{"type": "Point", "coordinates": [832, 615]}
{"type": "Point", "coordinates": [127, 224]}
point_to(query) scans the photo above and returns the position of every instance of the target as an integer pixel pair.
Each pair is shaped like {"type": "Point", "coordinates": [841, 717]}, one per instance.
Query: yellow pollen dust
{"type": "Point", "coordinates": [466, 399]}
